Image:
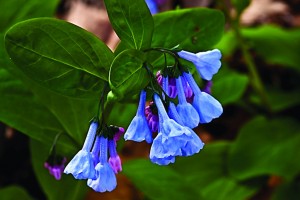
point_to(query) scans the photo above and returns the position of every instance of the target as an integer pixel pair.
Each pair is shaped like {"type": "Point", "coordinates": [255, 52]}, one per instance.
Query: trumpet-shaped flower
{"type": "Point", "coordinates": [186, 111]}
{"type": "Point", "coordinates": [172, 140]}
{"type": "Point", "coordinates": [207, 63]}
{"type": "Point", "coordinates": [207, 107]}
{"type": "Point", "coordinates": [82, 164]}
{"type": "Point", "coordinates": [138, 129]}
{"type": "Point", "coordinates": [105, 177]}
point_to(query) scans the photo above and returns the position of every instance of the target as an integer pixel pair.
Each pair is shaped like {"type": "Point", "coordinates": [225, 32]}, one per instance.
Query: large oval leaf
{"type": "Point", "coordinates": [59, 56]}
{"type": "Point", "coordinates": [127, 76]}
{"type": "Point", "coordinates": [132, 21]}
{"type": "Point", "coordinates": [266, 147]}
{"type": "Point", "coordinates": [193, 29]}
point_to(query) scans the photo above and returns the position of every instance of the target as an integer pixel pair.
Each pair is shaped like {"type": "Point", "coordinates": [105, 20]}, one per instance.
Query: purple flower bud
{"type": "Point", "coordinates": [56, 169]}
{"type": "Point", "coordinates": [114, 159]}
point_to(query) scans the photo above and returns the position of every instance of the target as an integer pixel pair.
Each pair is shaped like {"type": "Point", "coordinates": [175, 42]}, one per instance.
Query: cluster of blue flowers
{"type": "Point", "coordinates": [92, 162]}
{"type": "Point", "coordinates": [174, 123]}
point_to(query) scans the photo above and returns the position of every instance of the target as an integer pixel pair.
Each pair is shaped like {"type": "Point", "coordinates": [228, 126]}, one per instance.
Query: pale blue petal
{"type": "Point", "coordinates": [193, 145]}
{"type": "Point", "coordinates": [188, 115]}
{"type": "Point", "coordinates": [138, 130]}
{"type": "Point", "coordinates": [81, 166]}
{"type": "Point", "coordinates": [106, 178]}
{"type": "Point", "coordinates": [207, 107]}
{"type": "Point", "coordinates": [207, 63]}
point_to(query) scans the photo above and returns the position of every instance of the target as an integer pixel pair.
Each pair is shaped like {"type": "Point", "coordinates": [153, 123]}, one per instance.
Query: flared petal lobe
{"type": "Point", "coordinates": [207, 63]}
{"type": "Point", "coordinates": [138, 129]}
{"type": "Point", "coordinates": [81, 166]}
{"type": "Point", "coordinates": [106, 178]}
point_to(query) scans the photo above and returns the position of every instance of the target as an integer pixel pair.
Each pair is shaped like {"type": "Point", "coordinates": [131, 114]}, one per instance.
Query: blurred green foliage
{"type": "Point", "coordinates": [59, 71]}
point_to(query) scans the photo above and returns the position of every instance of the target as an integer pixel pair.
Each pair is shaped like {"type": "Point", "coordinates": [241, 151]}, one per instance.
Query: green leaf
{"type": "Point", "coordinates": [264, 147]}
{"type": "Point", "coordinates": [228, 44]}
{"type": "Point", "coordinates": [240, 5]}
{"type": "Point", "coordinates": [282, 100]}
{"type": "Point", "coordinates": [66, 188]}
{"type": "Point", "coordinates": [127, 74]}
{"type": "Point", "coordinates": [229, 86]}
{"type": "Point", "coordinates": [14, 11]}
{"type": "Point", "coordinates": [72, 114]}
{"type": "Point", "coordinates": [21, 110]}
{"type": "Point", "coordinates": [14, 192]}
{"type": "Point", "coordinates": [276, 45]}
{"type": "Point", "coordinates": [193, 29]}
{"type": "Point", "coordinates": [59, 56]}
{"type": "Point", "coordinates": [132, 21]}
{"type": "Point", "coordinates": [158, 182]}
{"type": "Point", "coordinates": [207, 172]}
{"type": "Point", "coordinates": [288, 190]}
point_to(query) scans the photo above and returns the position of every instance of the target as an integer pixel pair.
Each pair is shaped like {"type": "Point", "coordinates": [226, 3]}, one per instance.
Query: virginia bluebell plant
{"type": "Point", "coordinates": [178, 105]}
{"type": "Point", "coordinates": [92, 162]}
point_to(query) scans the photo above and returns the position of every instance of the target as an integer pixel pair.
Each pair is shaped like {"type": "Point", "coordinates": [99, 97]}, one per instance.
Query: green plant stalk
{"type": "Point", "coordinates": [255, 81]}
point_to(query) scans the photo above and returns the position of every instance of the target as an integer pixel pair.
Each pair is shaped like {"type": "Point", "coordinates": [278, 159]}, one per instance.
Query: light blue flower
{"type": "Point", "coordinates": [172, 140]}
{"type": "Point", "coordinates": [194, 143]}
{"type": "Point", "coordinates": [186, 111]}
{"type": "Point", "coordinates": [105, 177]}
{"type": "Point", "coordinates": [138, 129]}
{"type": "Point", "coordinates": [82, 164]}
{"type": "Point", "coordinates": [207, 107]}
{"type": "Point", "coordinates": [207, 63]}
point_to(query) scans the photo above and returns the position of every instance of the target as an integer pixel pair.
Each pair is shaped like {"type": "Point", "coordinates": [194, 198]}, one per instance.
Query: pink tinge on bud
{"type": "Point", "coordinates": [118, 134]}
{"type": "Point", "coordinates": [115, 163]}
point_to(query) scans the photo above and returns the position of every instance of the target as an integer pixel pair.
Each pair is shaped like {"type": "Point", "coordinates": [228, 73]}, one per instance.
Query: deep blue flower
{"type": "Point", "coordinates": [105, 177]}
{"type": "Point", "coordinates": [152, 5]}
{"type": "Point", "coordinates": [138, 129]}
{"type": "Point", "coordinates": [186, 111]}
{"type": "Point", "coordinates": [82, 164]}
{"type": "Point", "coordinates": [207, 107]}
{"type": "Point", "coordinates": [207, 63]}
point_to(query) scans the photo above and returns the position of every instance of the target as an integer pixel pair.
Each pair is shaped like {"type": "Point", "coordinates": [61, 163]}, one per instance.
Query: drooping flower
{"type": "Point", "coordinates": [114, 159]}
{"type": "Point", "coordinates": [194, 143]}
{"type": "Point", "coordinates": [172, 140]}
{"type": "Point", "coordinates": [138, 129]}
{"type": "Point", "coordinates": [55, 164]}
{"type": "Point", "coordinates": [207, 107]}
{"type": "Point", "coordinates": [82, 164]}
{"type": "Point", "coordinates": [186, 111]}
{"type": "Point", "coordinates": [105, 177]}
{"type": "Point", "coordinates": [207, 63]}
